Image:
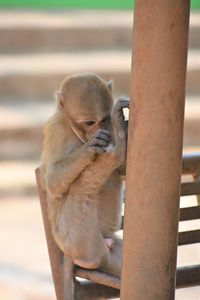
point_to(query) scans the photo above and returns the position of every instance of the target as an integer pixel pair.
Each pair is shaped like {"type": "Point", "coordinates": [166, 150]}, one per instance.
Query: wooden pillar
{"type": "Point", "coordinates": [155, 138]}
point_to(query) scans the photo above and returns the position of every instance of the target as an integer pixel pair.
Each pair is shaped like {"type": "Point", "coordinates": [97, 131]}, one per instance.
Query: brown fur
{"type": "Point", "coordinates": [84, 189]}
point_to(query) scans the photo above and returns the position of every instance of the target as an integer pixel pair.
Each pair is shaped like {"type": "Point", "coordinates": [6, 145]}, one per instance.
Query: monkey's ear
{"type": "Point", "coordinates": [59, 99]}
{"type": "Point", "coordinates": [110, 85]}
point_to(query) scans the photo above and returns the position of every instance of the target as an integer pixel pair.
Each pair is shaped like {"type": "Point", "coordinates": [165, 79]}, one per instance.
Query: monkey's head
{"type": "Point", "coordinates": [86, 101]}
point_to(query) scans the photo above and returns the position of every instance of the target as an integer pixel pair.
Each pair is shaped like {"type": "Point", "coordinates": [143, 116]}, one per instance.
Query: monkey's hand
{"type": "Point", "coordinates": [120, 129]}
{"type": "Point", "coordinates": [99, 141]}
{"type": "Point", "coordinates": [117, 114]}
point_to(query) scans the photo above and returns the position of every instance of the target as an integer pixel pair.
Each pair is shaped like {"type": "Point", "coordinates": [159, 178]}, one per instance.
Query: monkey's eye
{"type": "Point", "coordinates": [90, 123]}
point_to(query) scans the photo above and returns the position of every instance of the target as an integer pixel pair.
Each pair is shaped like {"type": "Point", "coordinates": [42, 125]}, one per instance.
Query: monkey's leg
{"type": "Point", "coordinates": [91, 255]}
{"type": "Point", "coordinates": [110, 263]}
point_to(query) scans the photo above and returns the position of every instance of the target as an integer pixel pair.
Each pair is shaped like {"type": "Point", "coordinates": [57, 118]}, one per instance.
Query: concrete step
{"type": "Point", "coordinates": [62, 31]}
{"type": "Point", "coordinates": [38, 75]}
{"type": "Point", "coordinates": [21, 128]}
{"type": "Point", "coordinates": [22, 122]}
{"type": "Point", "coordinates": [24, 31]}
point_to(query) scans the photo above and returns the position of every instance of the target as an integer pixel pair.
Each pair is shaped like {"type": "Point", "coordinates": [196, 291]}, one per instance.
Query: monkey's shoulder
{"type": "Point", "coordinates": [56, 126]}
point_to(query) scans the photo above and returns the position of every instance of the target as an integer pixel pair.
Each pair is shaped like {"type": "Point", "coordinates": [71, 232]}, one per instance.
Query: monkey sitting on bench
{"type": "Point", "coordinates": [83, 150]}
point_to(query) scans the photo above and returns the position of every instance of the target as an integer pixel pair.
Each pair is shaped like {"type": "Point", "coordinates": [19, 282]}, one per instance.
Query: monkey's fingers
{"type": "Point", "coordinates": [99, 142]}
{"type": "Point", "coordinates": [123, 98]}
{"type": "Point", "coordinates": [126, 124]}
{"type": "Point", "coordinates": [122, 103]}
{"type": "Point", "coordinates": [117, 112]}
{"type": "Point", "coordinates": [103, 135]}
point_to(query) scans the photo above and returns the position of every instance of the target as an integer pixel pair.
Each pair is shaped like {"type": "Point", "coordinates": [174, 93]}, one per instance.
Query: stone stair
{"type": "Point", "coordinates": [38, 75]}
{"type": "Point", "coordinates": [72, 30]}
{"type": "Point", "coordinates": [38, 49]}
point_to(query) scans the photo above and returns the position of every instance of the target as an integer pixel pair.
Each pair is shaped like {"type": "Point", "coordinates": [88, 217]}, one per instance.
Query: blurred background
{"type": "Point", "coordinates": [40, 43]}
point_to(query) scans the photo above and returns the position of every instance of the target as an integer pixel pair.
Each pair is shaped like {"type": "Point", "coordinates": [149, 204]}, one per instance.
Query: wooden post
{"type": "Point", "coordinates": [55, 254]}
{"type": "Point", "coordinates": [154, 149]}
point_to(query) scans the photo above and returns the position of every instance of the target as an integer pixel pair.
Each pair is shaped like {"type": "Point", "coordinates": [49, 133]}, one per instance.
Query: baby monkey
{"type": "Point", "coordinates": [84, 148]}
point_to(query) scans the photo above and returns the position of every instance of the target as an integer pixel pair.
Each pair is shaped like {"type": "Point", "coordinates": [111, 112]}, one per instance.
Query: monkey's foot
{"type": "Point", "coordinates": [109, 243]}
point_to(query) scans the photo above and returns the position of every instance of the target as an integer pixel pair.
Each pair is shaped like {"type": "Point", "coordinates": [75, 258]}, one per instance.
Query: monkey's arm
{"type": "Point", "coordinates": [96, 175]}
{"type": "Point", "coordinates": [61, 174]}
{"type": "Point", "coordinates": [122, 125]}
{"type": "Point", "coordinates": [65, 170]}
